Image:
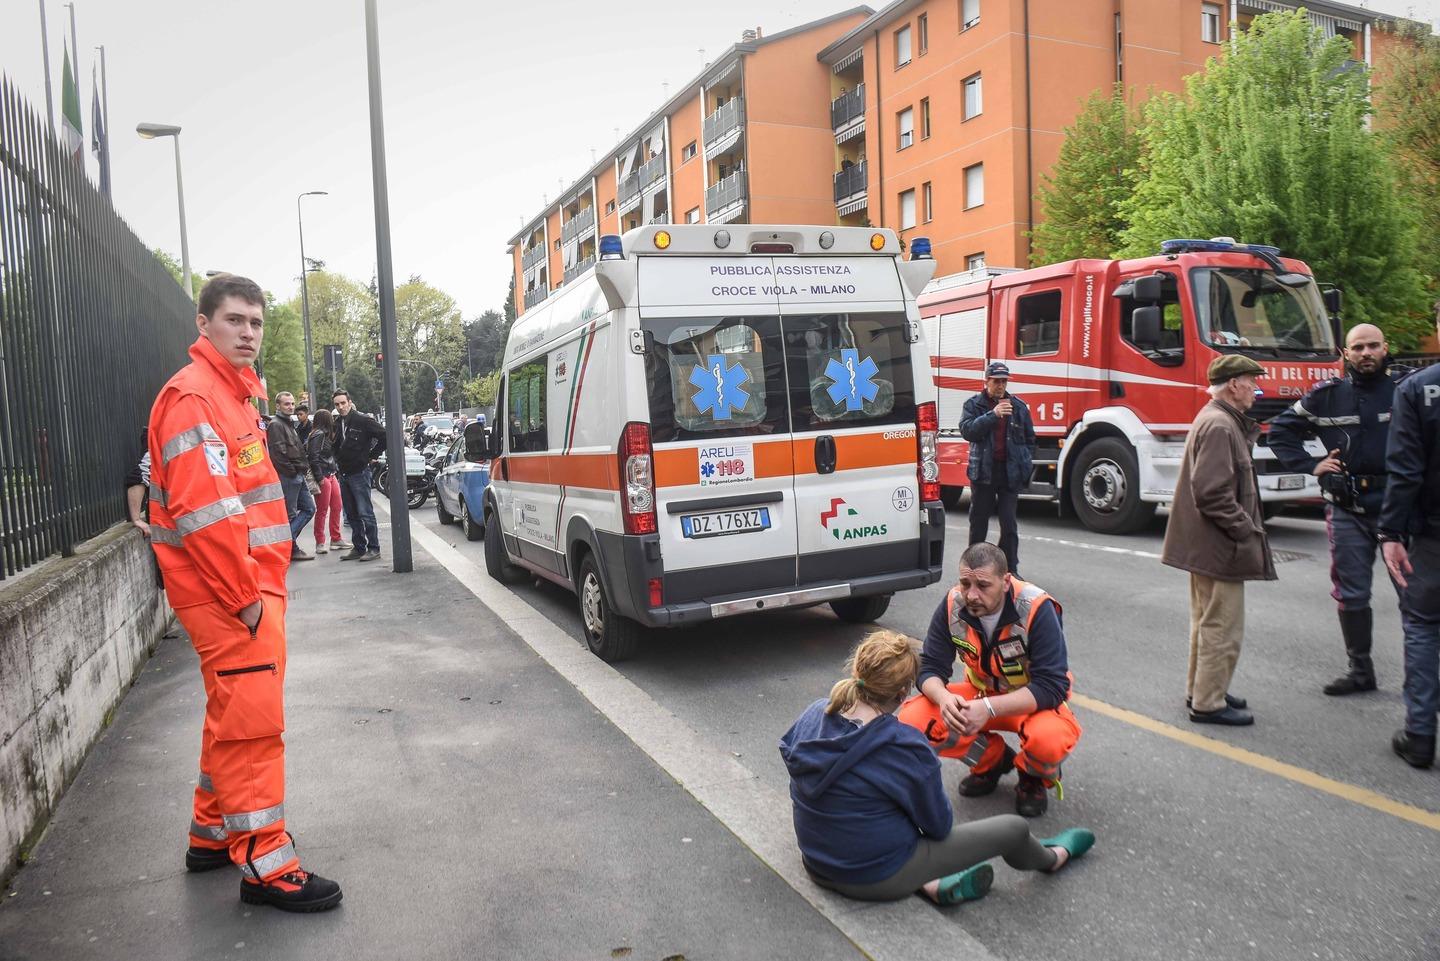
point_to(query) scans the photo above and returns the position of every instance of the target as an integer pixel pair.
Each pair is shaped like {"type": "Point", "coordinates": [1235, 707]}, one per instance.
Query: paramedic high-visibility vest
{"type": "Point", "coordinates": [217, 513]}
{"type": "Point", "coordinates": [1005, 664]}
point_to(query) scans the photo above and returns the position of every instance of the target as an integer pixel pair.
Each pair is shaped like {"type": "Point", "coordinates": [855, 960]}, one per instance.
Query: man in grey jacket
{"type": "Point", "coordinates": [293, 467]}
{"type": "Point", "coordinates": [1217, 533]}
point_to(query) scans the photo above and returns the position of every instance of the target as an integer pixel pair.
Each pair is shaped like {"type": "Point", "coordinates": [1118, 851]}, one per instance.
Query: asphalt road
{"type": "Point", "coordinates": [1202, 853]}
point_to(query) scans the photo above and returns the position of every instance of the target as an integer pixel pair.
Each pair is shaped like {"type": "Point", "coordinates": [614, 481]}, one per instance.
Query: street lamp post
{"type": "Point", "coordinates": [305, 295]}
{"type": "Point", "coordinates": [150, 131]}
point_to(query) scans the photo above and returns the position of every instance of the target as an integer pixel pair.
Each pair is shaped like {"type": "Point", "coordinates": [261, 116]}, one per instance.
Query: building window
{"type": "Point", "coordinates": [557, 243]}
{"type": "Point", "coordinates": [975, 261]}
{"type": "Point", "coordinates": [925, 118]}
{"type": "Point", "coordinates": [902, 46]}
{"type": "Point", "coordinates": [1119, 50]}
{"type": "Point", "coordinates": [634, 223]}
{"type": "Point", "coordinates": [692, 216]}
{"type": "Point", "coordinates": [1210, 22]}
{"type": "Point", "coordinates": [928, 199]}
{"type": "Point", "coordinates": [907, 209]}
{"type": "Point", "coordinates": [969, 14]}
{"type": "Point", "coordinates": [922, 31]}
{"type": "Point", "coordinates": [687, 152]}
{"type": "Point", "coordinates": [905, 125]}
{"type": "Point", "coordinates": [974, 100]}
{"type": "Point", "coordinates": [609, 206]}
{"type": "Point", "coordinates": [974, 186]}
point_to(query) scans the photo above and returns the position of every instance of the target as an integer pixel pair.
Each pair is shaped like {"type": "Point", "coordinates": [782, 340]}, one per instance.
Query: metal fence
{"type": "Point", "coordinates": [91, 326]}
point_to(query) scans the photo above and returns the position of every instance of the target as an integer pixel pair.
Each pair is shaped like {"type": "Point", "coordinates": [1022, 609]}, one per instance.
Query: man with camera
{"type": "Point", "coordinates": [1351, 417]}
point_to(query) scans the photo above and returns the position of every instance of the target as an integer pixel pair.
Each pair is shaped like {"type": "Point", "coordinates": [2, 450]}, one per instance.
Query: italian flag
{"type": "Point", "coordinates": [70, 134]}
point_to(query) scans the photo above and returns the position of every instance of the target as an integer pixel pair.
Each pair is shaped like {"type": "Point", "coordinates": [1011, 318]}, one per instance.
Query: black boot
{"type": "Point", "coordinates": [1414, 749]}
{"type": "Point", "coordinates": [979, 785]}
{"type": "Point", "coordinates": [1356, 629]}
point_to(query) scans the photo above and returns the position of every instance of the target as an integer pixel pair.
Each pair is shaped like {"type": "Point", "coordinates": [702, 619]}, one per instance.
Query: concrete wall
{"type": "Point", "coordinates": [74, 634]}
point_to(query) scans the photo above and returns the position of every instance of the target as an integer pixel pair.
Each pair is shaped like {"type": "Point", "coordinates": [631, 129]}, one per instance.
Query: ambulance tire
{"type": "Point", "coordinates": [1108, 472]}
{"type": "Point", "coordinates": [950, 497]}
{"type": "Point", "coordinates": [609, 636]}
{"type": "Point", "coordinates": [473, 531]}
{"type": "Point", "coordinates": [496, 563]}
{"type": "Point", "coordinates": [861, 610]}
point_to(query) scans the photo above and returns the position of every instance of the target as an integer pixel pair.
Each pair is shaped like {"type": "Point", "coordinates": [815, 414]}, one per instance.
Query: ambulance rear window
{"type": "Point", "coordinates": [849, 369]}
{"type": "Point", "coordinates": [715, 377]}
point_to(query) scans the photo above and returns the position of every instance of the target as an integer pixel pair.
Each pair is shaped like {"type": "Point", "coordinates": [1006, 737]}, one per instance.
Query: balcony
{"type": "Point", "coordinates": [532, 256]}
{"type": "Point", "coordinates": [660, 218]}
{"type": "Point", "coordinates": [579, 225]}
{"type": "Point", "coordinates": [652, 171]}
{"type": "Point", "coordinates": [535, 296]}
{"type": "Point", "coordinates": [850, 184]}
{"type": "Point", "coordinates": [628, 193]}
{"type": "Point", "coordinates": [579, 268]}
{"type": "Point", "coordinates": [847, 107]}
{"type": "Point", "coordinates": [725, 199]}
{"type": "Point", "coordinates": [722, 128]}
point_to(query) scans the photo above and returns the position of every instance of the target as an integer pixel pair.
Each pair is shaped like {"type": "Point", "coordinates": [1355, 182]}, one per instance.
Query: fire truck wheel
{"type": "Point", "coordinates": [950, 497]}
{"type": "Point", "coordinates": [1105, 488]}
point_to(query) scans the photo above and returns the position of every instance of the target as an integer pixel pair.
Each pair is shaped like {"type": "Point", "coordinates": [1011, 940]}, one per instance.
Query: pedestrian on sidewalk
{"type": "Point", "coordinates": [1009, 639]}
{"type": "Point", "coordinates": [219, 531]}
{"type": "Point", "coordinates": [1410, 540]}
{"type": "Point", "coordinates": [319, 448]}
{"type": "Point", "coordinates": [1217, 533]}
{"type": "Point", "coordinates": [1351, 417]}
{"type": "Point", "coordinates": [360, 440]}
{"type": "Point", "coordinates": [871, 816]}
{"type": "Point", "coordinates": [303, 422]}
{"type": "Point", "coordinates": [294, 469]}
{"type": "Point", "coordinates": [137, 487]}
{"type": "Point", "coordinates": [1002, 452]}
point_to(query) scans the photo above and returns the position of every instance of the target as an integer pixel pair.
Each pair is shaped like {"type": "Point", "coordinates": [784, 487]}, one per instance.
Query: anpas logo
{"type": "Point", "coordinates": [843, 521]}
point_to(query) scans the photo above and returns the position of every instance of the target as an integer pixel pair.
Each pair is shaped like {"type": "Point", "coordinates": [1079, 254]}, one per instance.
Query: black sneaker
{"type": "Point", "coordinates": [1414, 749]}
{"type": "Point", "coordinates": [354, 554]}
{"type": "Point", "coordinates": [206, 859]}
{"type": "Point", "coordinates": [1030, 797]}
{"type": "Point", "coordinates": [370, 556]}
{"type": "Point", "coordinates": [979, 785]}
{"type": "Point", "coordinates": [298, 891]}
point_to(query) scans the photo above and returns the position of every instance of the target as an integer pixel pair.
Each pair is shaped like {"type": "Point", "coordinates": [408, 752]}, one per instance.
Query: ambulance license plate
{"type": "Point", "coordinates": [1292, 482]}
{"type": "Point", "coordinates": [720, 523]}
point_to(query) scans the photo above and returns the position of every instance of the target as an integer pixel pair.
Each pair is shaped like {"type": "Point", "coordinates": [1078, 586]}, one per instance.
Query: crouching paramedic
{"type": "Point", "coordinates": [220, 532]}
{"type": "Point", "coordinates": [1008, 635]}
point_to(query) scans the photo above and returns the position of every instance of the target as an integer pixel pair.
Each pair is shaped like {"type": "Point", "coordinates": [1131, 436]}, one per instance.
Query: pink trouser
{"type": "Point", "coordinates": [327, 506]}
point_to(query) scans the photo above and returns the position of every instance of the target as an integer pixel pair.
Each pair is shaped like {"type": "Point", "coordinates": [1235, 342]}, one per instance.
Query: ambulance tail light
{"type": "Point", "coordinates": [637, 480]}
{"type": "Point", "coordinates": [927, 429]}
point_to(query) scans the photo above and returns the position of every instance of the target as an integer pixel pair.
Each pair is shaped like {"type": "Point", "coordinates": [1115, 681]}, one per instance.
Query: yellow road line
{"type": "Point", "coordinates": [1290, 772]}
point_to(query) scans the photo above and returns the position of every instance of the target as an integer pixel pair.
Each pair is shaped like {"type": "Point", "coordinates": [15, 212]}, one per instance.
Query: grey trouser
{"type": "Point", "coordinates": [1006, 835]}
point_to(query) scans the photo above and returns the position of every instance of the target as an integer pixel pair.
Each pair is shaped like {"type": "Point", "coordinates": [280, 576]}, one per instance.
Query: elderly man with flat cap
{"type": "Point", "coordinates": [1216, 532]}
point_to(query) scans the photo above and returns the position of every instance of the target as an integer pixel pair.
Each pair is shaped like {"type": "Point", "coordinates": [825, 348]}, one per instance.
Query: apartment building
{"type": "Point", "coordinates": [935, 118]}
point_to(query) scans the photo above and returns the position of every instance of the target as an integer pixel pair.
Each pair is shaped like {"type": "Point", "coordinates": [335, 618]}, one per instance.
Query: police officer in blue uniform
{"type": "Point", "coordinates": [1410, 541]}
{"type": "Point", "coordinates": [1351, 416]}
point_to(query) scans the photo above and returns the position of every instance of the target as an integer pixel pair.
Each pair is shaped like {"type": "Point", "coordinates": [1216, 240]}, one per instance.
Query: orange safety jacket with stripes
{"type": "Point", "coordinates": [1005, 664]}
{"type": "Point", "coordinates": [218, 522]}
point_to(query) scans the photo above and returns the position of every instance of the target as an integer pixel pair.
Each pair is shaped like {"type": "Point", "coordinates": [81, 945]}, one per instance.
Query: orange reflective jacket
{"type": "Point", "coordinates": [1005, 664]}
{"type": "Point", "coordinates": [217, 513]}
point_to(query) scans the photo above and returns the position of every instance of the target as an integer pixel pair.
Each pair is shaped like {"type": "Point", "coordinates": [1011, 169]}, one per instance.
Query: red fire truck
{"type": "Point", "coordinates": [1110, 356]}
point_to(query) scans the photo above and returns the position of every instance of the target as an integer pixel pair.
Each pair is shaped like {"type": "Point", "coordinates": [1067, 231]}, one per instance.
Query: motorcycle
{"type": "Point", "coordinates": [419, 477]}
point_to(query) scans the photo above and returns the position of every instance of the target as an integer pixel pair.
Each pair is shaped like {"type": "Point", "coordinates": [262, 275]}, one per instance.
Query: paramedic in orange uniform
{"type": "Point", "coordinates": [1008, 635]}
{"type": "Point", "coordinates": [219, 528]}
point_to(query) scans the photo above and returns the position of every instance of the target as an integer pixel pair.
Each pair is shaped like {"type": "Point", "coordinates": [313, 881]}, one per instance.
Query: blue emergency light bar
{"type": "Point", "coordinates": [1218, 245]}
{"type": "Point", "coordinates": [920, 248]}
{"type": "Point", "coordinates": [611, 248]}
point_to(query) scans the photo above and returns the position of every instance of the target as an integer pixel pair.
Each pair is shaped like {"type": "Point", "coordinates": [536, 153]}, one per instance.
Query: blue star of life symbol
{"type": "Point", "coordinates": [854, 379]}
{"type": "Point", "coordinates": [720, 389]}
{"type": "Point", "coordinates": [707, 468]}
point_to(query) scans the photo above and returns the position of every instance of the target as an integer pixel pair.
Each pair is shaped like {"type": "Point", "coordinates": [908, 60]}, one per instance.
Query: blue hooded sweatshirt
{"type": "Point", "coordinates": [863, 794]}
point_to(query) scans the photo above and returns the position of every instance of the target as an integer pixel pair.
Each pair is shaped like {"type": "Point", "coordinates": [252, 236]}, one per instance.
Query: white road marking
{"type": "Point", "coordinates": [1103, 548]}
{"type": "Point", "coordinates": [754, 812]}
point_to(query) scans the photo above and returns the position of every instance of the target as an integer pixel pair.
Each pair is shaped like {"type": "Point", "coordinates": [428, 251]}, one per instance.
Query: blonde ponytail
{"type": "Point", "coordinates": [881, 671]}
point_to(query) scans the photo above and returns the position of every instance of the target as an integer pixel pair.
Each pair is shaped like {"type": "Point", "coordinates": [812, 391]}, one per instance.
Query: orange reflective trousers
{"type": "Point", "coordinates": [1046, 737]}
{"type": "Point", "coordinates": [240, 800]}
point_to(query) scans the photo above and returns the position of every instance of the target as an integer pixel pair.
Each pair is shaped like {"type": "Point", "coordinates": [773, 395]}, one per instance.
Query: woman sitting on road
{"type": "Point", "coordinates": [871, 814]}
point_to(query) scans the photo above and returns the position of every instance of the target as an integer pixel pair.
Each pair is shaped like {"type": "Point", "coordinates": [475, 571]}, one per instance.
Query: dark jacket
{"type": "Point", "coordinates": [285, 448]}
{"type": "Point", "coordinates": [1215, 527]}
{"type": "Point", "coordinates": [1350, 414]}
{"type": "Point", "coordinates": [360, 440]}
{"type": "Point", "coordinates": [978, 423]}
{"type": "Point", "coordinates": [1412, 497]}
{"type": "Point", "coordinates": [1049, 660]}
{"type": "Point", "coordinates": [863, 794]}
{"type": "Point", "coordinates": [321, 452]}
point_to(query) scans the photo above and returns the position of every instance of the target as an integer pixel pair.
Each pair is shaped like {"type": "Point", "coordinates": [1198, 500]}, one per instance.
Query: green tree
{"type": "Point", "coordinates": [1270, 145]}
{"type": "Point", "coordinates": [428, 329]}
{"type": "Point", "coordinates": [485, 341]}
{"type": "Point", "coordinates": [481, 391]}
{"type": "Point", "coordinates": [174, 268]}
{"type": "Point", "coordinates": [1081, 195]}
{"type": "Point", "coordinates": [282, 353]}
{"type": "Point", "coordinates": [343, 312]}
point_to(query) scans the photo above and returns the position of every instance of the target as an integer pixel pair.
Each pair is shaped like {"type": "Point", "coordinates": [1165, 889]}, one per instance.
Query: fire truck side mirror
{"type": "Point", "coordinates": [1146, 327]}
{"type": "Point", "coordinates": [1333, 301]}
{"type": "Point", "coordinates": [1147, 289]}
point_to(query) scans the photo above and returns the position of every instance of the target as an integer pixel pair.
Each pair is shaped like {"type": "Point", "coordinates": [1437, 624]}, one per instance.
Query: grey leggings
{"type": "Point", "coordinates": [1005, 835]}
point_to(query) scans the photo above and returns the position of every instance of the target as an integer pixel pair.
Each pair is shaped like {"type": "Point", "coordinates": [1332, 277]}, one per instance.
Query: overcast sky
{"type": "Point", "coordinates": [488, 107]}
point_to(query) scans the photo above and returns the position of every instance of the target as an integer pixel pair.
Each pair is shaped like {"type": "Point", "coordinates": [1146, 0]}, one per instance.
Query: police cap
{"type": "Point", "coordinates": [1231, 366]}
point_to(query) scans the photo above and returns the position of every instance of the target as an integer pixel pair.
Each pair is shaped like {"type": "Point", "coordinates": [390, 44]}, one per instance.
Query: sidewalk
{"type": "Point", "coordinates": [469, 801]}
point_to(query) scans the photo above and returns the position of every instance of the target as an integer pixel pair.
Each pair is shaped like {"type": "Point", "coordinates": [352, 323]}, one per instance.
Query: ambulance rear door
{"type": "Point", "coordinates": [720, 425]}
{"type": "Point", "coordinates": [853, 375]}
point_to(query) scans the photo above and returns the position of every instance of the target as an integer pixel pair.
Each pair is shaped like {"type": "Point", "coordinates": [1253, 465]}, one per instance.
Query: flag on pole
{"type": "Point", "coordinates": [99, 136]}
{"type": "Point", "coordinates": [70, 134]}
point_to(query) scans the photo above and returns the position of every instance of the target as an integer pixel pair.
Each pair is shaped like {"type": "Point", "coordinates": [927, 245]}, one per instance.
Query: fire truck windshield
{"type": "Point", "coordinates": [1240, 307]}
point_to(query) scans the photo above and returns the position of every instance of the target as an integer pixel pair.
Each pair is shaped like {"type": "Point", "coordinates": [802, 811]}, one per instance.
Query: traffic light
{"type": "Point", "coordinates": [379, 359]}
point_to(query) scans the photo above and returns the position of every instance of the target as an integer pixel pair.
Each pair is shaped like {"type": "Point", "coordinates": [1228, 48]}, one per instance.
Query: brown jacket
{"type": "Point", "coordinates": [1216, 528]}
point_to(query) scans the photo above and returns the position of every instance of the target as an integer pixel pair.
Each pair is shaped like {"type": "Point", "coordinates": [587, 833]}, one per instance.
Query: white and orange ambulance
{"type": "Point", "coordinates": [719, 420]}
